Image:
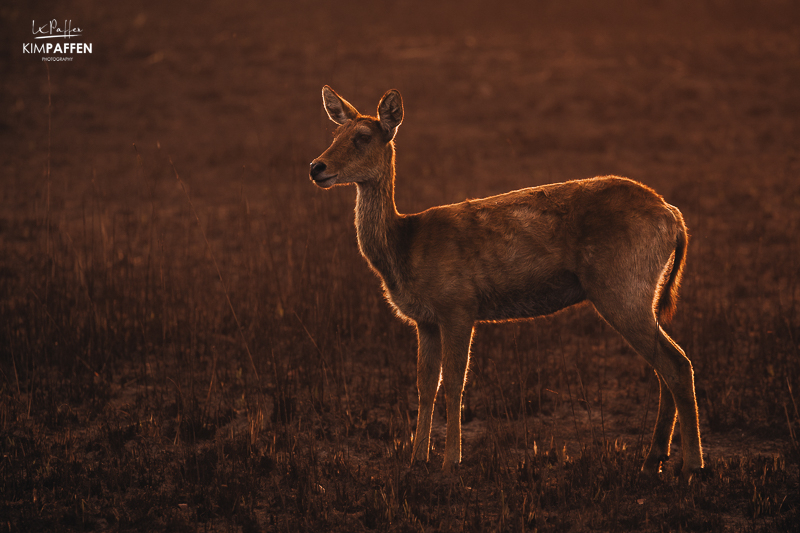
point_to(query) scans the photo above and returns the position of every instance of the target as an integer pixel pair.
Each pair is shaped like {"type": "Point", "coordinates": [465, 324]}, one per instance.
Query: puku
{"type": "Point", "coordinates": [527, 253]}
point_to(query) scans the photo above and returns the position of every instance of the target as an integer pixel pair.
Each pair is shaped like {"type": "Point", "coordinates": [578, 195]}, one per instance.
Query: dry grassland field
{"type": "Point", "coordinates": [190, 339]}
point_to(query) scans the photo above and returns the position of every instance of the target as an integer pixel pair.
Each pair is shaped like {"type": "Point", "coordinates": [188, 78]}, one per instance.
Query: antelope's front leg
{"type": "Point", "coordinates": [455, 343]}
{"type": "Point", "coordinates": [429, 368]}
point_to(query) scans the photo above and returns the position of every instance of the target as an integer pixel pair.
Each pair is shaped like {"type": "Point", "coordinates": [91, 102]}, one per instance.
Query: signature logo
{"type": "Point", "coordinates": [51, 30]}
{"type": "Point", "coordinates": [54, 30]}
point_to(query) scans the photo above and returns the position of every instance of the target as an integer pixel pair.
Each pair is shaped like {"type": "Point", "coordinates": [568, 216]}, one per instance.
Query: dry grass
{"type": "Point", "coordinates": [129, 400]}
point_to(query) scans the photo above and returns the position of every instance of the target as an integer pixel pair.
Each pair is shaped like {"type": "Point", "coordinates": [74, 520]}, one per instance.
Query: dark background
{"type": "Point", "coordinates": [133, 397]}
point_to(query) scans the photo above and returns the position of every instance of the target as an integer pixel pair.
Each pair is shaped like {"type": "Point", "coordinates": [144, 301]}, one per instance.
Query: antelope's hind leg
{"type": "Point", "coordinates": [429, 369]}
{"type": "Point", "coordinates": [665, 426]}
{"type": "Point", "coordinates": [682, 387]}
{"type": "Point", "coordinates": [674, 369]}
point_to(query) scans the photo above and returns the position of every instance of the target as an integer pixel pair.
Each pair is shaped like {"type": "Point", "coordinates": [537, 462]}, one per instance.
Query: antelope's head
{"type": "Point", "coordinates": [362, 146]}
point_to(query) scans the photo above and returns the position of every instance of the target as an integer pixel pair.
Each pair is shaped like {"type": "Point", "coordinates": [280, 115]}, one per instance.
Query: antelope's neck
{"type": "Point", "coordinates": [378, 226]}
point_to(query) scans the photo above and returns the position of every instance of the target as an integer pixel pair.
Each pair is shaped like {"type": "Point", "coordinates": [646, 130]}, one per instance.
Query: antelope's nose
{"type": "Point", "coordinates": [317, 168]}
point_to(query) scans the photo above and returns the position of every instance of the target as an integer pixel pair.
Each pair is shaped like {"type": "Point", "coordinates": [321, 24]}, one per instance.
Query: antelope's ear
{"type": "Point", "coordinates": [390, 112]}
{"type": "Point", "coordinates": [339, 110]}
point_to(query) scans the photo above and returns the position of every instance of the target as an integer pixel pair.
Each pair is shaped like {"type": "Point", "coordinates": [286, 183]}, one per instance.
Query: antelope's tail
{"type": "Point", "coordinates": [668, 299]}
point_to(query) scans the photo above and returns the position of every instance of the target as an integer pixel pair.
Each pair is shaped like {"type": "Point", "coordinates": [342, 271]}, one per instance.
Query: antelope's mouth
{"type": "Point", "coordinates": [325, 181]}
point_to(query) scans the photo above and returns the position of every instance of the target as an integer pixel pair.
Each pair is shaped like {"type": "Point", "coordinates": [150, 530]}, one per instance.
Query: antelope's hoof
{"type": "Point", "coordinates": [449, 467]}
{"type": "Point", "coordinates": [652, 465]}
{"type": "Point", "coordinates": [419, 455]}
{"type": "Point", "coordinates": [698, 474]}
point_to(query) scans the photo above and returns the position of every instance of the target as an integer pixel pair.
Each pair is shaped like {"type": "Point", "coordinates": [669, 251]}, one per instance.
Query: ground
{"type": "Point", "coordinates": [190, 338]}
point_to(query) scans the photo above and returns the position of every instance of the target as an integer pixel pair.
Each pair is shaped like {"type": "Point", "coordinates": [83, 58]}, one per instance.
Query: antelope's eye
{"type": "Point", "coordinates": [362, 139]}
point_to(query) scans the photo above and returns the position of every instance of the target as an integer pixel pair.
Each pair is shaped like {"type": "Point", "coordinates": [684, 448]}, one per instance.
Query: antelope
{"type": "Point", "coordinates": [527, 253]}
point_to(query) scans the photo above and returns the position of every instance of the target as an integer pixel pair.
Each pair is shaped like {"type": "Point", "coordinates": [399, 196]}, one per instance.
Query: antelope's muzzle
{"type": "Point", "coordinates": [319, 174]}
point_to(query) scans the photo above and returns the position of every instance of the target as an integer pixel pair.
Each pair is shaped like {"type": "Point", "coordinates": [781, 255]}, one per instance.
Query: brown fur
{"type": "Point", "coordinates": [518, 255]}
